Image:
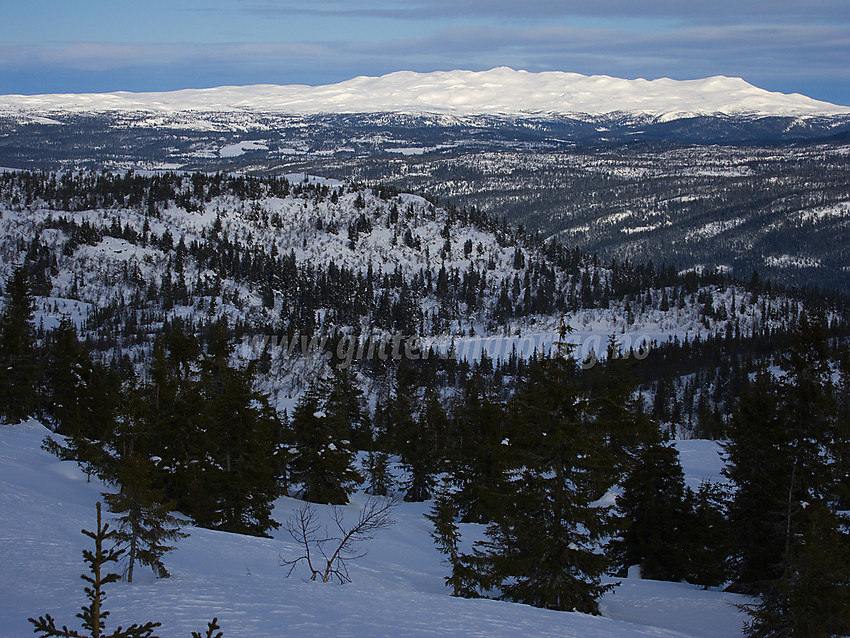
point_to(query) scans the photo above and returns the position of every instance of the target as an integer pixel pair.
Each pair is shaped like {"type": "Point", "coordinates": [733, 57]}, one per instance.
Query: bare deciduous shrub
{"type": "Point", "coordinates": [327, 552]}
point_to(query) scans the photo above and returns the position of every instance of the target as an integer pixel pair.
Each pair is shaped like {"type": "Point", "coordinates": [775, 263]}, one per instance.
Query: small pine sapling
{"type": "Point", "coordinates": [93, 615]}
{"type": "Point", "coordinates": [212, 626]}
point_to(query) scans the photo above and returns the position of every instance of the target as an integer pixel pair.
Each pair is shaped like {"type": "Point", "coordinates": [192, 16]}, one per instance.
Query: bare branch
{"type": "Point", "coordinates": [303, 530]}
{"type": "Point", "coordinates": [376, 514]}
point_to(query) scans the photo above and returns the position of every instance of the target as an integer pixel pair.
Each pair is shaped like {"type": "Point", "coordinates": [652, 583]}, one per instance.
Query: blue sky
{"type": "Point", "coordinates": [49, 46]}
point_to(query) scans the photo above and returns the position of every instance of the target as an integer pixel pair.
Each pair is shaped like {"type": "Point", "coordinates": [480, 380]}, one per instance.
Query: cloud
{"type": "Point", "coordinates": [692, 52]}
{"type": "Point", "coordinates": [779, 57]}
{"type": "Point", "coordinates": [723, 11]}
{"type": "Point", "coordinates": [98, 56]}
{"type": "Point", "coordinates": [718, 46]}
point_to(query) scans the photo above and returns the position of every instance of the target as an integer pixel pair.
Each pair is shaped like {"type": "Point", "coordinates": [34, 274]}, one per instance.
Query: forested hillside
{"type": "Point", "coordinates": [212, 342]}
{"type": "Point", "coordinates": [780, 210]}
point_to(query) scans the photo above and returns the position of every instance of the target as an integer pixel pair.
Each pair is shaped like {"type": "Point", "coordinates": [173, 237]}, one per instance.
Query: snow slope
{"type": "Point", "coordinates": [397, 589]}
{"type": "Point", "coordinates": [499, 91]}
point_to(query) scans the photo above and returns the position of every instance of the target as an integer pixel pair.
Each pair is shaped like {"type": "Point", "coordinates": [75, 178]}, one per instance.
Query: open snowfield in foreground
{"type": "Point", "coordinates": [396, 590]}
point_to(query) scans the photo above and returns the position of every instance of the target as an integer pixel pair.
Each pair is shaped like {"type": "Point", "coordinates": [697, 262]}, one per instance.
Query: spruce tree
{"type": "Point", "coordinates": [378, 473]}
{"type": "Point", "coordinates": [654, 510]}
{"type": "Point", "coordinates": [212, 630]}
{"type": "Point", "coordinates": [810, 412]}
{"type": "Point", "coordinates": [83, 402]}
{"type": "Point", "coordinates": [468, 572]}
{"type": "Point", "coordinates": [19, 377]}
{"type": "Point", "coordinates": [238, 445]}
{"type": "Point", "coordinates": [413, 434]}
{"type": "Point", "coordinates": [323, 461]}
{"type": "Point", "coordinates": [423, 451]}
{"type": "Point", "coordinates": [616, 409]}
{"type": "Point", "coordinates": [145, 522]}
{"type": "Point", "coordinates": [789, 479]}
{"type": "Point", "coordinates": [214, 437]}
{"type": "Point", "coordinates": [477, 459]}
{"type": "Point", "coordinates": [842, 469]}
{"type": "Point", "coordinates": [812, 597]}
{"type": "Point", "coordinates": [706, 535]}
{"type": "Point", "coordinates": [83, 393]}
{"type": "Point", "coordinates": [93, 615]}
{"type": "Point", "coordinates": [757, 465]}
{"type": "Point", "coordinates": [346, 408]}
{"type": "Point", "coordinates": [170, 418]}
{"type": "Point", "coordinates": [543, 543]}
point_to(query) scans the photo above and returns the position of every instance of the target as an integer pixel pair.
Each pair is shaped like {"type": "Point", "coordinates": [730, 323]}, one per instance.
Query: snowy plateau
{"type": "Point", "coordinates": [499, 91]}
{"type": "Point", "coordinates": [396, 590]}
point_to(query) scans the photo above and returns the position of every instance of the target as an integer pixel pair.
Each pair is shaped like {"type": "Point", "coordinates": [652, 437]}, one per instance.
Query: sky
{"type": "Point", "coordinates": [57, 46]}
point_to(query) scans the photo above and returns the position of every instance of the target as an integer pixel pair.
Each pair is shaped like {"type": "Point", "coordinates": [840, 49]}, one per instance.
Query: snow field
{"type": "Point", "coordinates": [396, 590]}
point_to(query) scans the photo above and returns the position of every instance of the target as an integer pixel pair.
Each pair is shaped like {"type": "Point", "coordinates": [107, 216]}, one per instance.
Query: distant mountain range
{"type": "Point", "coordinates": [698, 173]}
{"type": "Point", "coordinates": [500, 91]}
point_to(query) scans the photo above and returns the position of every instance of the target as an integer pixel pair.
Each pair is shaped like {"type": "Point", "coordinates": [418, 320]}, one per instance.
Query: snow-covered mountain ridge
{"type": "Point", "coordinates": [499, 91]}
